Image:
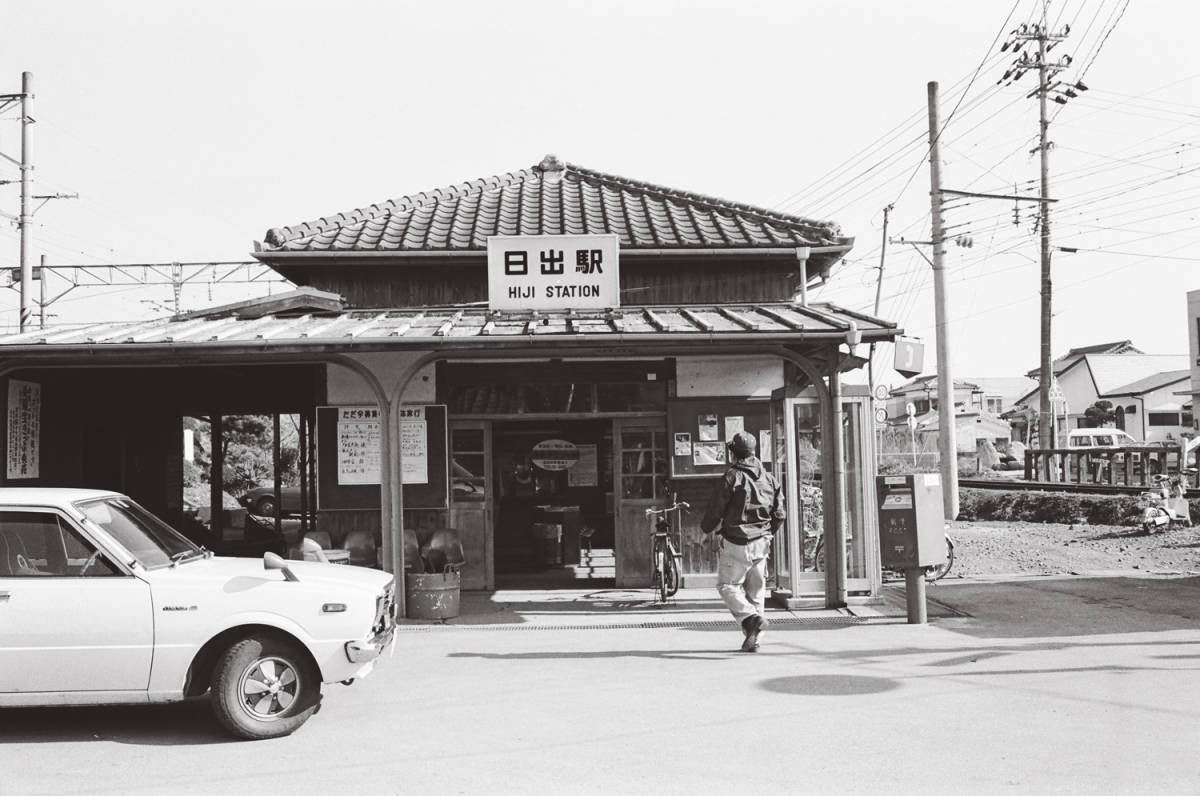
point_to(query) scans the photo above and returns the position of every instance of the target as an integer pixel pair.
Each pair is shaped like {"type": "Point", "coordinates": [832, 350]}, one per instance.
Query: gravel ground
{"type": "Point", "coordinates": [1004, 548]}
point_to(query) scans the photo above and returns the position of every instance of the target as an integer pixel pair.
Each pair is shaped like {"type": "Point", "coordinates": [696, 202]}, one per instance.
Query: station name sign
{"type": "Point", "coordinates": [553, 272]}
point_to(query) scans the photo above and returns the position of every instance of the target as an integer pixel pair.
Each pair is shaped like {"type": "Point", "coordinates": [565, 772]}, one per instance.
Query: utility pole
{"type": "Point", "coordinates": [25, 217]}
{"type": "Point", "coordinates": [878, 295]}
{"type": "Point", "coordinates": [1045, 374]}
{"type": "Point", "coordinates": [947, 437]}
{"type": "Point", "coordinates": [41, 278]}
{"type": "Point", "coordinates": [1046, 41]}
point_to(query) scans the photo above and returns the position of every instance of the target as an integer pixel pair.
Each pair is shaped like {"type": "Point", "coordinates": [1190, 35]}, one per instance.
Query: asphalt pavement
{"type": "Point", "coordinates": [1077, 684]}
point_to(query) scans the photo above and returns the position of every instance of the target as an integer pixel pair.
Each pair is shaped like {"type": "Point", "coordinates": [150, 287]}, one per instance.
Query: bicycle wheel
{"type": "Point", "coordinates": [671, 573]}
{"type": "Point", "coordinates": [941, 570]}
{"type": "Point", "coordinates": [660, 582]}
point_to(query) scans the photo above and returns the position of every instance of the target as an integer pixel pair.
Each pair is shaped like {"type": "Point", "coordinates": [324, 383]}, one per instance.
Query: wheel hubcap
{"type": "Point", "coordinates": [269, 687]}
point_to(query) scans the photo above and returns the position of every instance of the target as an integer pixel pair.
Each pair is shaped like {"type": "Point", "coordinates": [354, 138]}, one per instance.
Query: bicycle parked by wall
{"type": "Point", "coordinates": [665, 562]}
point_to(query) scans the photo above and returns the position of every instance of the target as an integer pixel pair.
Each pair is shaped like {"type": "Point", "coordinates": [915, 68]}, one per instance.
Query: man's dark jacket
{"type": "Point", "coordinates": [747, 506]}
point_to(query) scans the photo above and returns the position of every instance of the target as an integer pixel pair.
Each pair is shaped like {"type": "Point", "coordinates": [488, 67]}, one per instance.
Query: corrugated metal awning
{"type": "Point", "coordinates": [782, 322]}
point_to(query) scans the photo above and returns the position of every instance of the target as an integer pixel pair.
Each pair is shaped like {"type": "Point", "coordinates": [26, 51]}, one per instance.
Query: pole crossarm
{"type": "Point", "coordinates": [998, 196]}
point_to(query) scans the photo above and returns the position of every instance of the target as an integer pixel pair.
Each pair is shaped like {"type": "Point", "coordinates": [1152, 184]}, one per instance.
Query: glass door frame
{"type": "Point", "coordinates": [858, 506]}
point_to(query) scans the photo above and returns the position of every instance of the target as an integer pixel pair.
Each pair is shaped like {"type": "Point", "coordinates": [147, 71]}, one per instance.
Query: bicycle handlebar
{"type": "Point", "coordinates": [661, 512]}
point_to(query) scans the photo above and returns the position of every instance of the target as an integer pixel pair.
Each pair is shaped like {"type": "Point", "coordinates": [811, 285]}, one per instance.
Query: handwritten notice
{"type": "Point", "coordinates": [358, 445]}
{"type": "Point", "coordinates": [766, 451]}
{"type": "Point", "coordinates": [414, 445]}
{"type": "Point", "coordinates": [24, 428]}
{"type": "Point", "coordinates": [734, 424]}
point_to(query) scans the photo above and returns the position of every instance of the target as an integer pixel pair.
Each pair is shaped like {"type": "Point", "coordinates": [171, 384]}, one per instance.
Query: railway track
{"type": "Point", "coordinates": [1015, 485]}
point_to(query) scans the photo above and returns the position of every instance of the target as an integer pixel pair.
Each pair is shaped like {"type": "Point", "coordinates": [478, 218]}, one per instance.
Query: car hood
{"type": "Point", "coordinates": [220, 568]}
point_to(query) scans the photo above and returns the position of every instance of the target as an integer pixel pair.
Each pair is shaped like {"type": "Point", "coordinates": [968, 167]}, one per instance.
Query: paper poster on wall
{"type": "Point", "coordinates": [708, 427]}
{"type": "Point", "coordinates": [414, 446]}
{"type": "Point", "coordinates": [24, 428]}
{"type": "Point", "coordinates": [585, 472]}
{"type": "Point", "coordinates": [766, 451]}
{"type": "Point", "coordinates": [708, 453]}
{"type": "Point", "coordinates": [358, 445]}
{"type": "Point", "coordinates": [734, 424]}
{"type": "Point", "coordinates": [683, 444]}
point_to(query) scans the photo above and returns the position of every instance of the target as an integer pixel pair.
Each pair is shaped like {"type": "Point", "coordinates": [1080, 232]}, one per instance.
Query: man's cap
{"type": "Point", "coordinates": [743, 444]}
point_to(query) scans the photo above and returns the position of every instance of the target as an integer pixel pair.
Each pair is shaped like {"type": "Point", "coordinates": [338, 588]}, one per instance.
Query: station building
{"type": "Point", "coordinates": [554, 347]}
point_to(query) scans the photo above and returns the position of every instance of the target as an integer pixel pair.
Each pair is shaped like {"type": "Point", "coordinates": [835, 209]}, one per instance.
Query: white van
{"type": "Point", "coordinates": [1099, 438]}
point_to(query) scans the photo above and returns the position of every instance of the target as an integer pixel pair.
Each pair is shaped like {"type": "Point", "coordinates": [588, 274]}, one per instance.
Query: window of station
{"type": "Point", "coordinates": [553, 388]}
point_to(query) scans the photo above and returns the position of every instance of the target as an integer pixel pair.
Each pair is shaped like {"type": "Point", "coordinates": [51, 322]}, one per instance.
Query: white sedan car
{"type": "Point", "coordinates": [103, 603]}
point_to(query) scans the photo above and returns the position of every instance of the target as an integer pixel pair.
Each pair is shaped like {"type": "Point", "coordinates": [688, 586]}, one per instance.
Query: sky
{"type": "Point", "coordinates": [189, 129]}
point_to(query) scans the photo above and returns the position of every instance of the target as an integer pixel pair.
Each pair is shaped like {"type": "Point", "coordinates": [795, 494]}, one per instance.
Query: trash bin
{"type": "Point", "coordinates": [547, 540]}
{"type": "Point", "coordinates": [432, 595]}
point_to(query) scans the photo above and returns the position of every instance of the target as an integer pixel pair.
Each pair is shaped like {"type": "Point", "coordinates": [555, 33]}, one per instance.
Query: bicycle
{"type": "Point", "coordinates": [932, 574]}
{"type": "Point", "coordinates": [664, 556]}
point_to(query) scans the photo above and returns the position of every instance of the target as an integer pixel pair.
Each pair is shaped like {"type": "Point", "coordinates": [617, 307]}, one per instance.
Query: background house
{"type": "Point", "coordinates": [1084, 377]}
{"type": "Point", "coordinates": [1152, 409]}
{"type": "Point", "coordinates": [974, 421]}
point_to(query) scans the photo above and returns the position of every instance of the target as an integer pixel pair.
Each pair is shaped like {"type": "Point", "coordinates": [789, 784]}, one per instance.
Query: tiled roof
{"type": "Point", "coordinates": [1111, 371]}
{"type": "Point", "coordinates": [1073, 356]}
{"type": "Point", "coordinates": [1151, 383]}
{"type": "Point", "coordinates": [411, 328]}
{"type": "Point", "coordinates": [552, 198]}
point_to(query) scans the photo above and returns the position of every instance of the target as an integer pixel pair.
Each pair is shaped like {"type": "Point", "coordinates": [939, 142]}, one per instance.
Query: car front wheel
{"type": "Point", "coordinates": [265, 507]}
{"type": "Point", "coordinates": [264, 687]}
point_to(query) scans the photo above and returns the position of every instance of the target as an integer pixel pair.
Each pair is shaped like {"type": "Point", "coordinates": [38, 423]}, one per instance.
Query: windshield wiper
{"type": "Point", "coordinates": [182, 555]}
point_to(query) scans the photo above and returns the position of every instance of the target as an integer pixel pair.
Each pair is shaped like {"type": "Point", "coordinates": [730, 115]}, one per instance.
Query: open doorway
{"type": "Point", "coordinates": [553, 482]}
{"type": "Point", "coordinates": [247, 482]}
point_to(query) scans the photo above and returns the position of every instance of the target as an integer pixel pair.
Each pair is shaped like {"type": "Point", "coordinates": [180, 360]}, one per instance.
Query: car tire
{"type": "Point", "coordinates": [264, 687]}
{"type": "Point", "coordinates": [265, 506]}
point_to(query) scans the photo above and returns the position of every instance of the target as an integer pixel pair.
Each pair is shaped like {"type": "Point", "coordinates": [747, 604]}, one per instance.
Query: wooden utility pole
{"type": "Point", "coordinates": [1062, 92]}
{"type": "Point", "coordinates": [1045, 374]}
{"type": "Point", "coordinates": [26, 217]}
{"type": "Point", "coordinates": [878, 295]}
{"type": "Point", "coordinates": [947, 437]}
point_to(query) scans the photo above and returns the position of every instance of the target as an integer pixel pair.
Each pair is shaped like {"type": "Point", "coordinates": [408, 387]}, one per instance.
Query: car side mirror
{"type": "Point", "coordinates": [273, 561]}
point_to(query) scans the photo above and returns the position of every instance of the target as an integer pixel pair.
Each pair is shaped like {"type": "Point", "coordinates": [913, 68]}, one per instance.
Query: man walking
{"type": "Point", "coordinates": [747, 508]}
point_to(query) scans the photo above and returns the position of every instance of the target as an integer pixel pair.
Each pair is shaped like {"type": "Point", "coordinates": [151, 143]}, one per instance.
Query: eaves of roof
{"type": "Point", "coordinates": [466, 327]}
{"type": "Point", "coordinates": [1149, 384]}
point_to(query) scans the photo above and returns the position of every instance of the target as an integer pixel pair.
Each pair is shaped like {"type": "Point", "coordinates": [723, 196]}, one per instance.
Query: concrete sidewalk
{"type": "Point", "coordinates": [633, 608]}
{"type": "Point", "coordinates": [630, 608]}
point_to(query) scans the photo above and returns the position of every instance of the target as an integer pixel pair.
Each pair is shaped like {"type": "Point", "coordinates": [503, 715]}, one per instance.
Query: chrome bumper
{"type": "Point", "coordinates": [369, 650]}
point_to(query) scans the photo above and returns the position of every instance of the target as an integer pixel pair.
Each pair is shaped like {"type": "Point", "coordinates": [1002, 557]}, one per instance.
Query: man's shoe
{"type": "Point", "coordinates": [752, 626]}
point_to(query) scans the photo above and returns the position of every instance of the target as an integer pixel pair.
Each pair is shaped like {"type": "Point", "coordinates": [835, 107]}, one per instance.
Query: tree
{"type": "Point", "coordinates": [1099, 414]}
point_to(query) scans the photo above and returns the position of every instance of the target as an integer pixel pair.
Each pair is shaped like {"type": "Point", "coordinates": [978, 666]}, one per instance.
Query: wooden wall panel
{"type": "Point", "coordinates": [643, 281]}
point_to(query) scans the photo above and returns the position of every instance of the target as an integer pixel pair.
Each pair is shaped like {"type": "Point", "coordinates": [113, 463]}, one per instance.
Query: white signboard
{"type": "Point", "coordinates": [555, 454]}
{"type": "Point", "coordinates": [553, 272]}
{"type": "Point", "coordinates": [24, 428]}
{"type": "Point", "coordinates": [358, 445]}
{"type": "Point", "coordinates": [414, 446]}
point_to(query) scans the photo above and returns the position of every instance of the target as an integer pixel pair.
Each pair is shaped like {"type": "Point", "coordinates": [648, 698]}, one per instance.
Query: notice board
{"type": "Point", "coordinates": [699, 428]}
{"type": "Point", "coordinates": [348, 457]}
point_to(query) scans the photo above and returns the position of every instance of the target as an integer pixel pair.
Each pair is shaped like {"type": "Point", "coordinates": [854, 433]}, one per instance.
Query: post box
{"type": "Point", "coordinates": [911, 520]}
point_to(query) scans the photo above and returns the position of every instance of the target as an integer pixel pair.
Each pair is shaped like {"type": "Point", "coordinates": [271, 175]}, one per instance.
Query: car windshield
{"type": "Point", "coordinates": [150, 540]}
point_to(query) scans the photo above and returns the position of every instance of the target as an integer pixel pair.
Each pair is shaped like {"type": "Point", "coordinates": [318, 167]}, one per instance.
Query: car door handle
{"type": "Point", "coordinates": [4, 596]}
